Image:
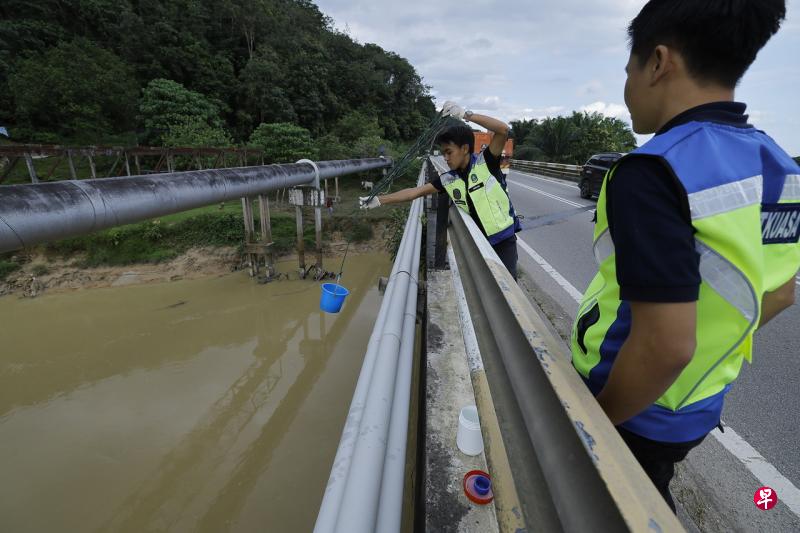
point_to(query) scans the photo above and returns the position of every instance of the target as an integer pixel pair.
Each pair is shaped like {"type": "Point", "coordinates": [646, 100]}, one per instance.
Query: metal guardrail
{"type": "Point", "coordinates": [571, 469]}
{"type": "Point", "coordinates": [365, 488]}
{"type": "Point", "coordinates": [557, 170]}
{"type": "Point", "coordinates": [35, 213]}
{"type": "Point", "coordinates": [125, 157]}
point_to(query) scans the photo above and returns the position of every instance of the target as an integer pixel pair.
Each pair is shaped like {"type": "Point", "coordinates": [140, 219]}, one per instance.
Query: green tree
{"type": "Point", "coordinates": [598, 133]}
{"type": "Point", "coordinates": [555, 137]}
{"type": "Point", "coordinates": [356, 125]}
{"type": "Point", "coordinates": [262, 84]}
{"type": "Point", "coordinates": [254, 61]}
{"type": "Point", "coordinates": [283, 142]}
{"type": "Point", "coordinates": [522, 130]}
{"type": "Point", "coordinates": [194, 133]}
{"type": "Point", "coordinates": [370, 146]}
{"type": "Point", "coordinates": [75, 91]}
{"type": "Point", "coordinates": [166, 104]}
{"type": "Point", "coordinates": [571, 139]}
{"type": "Point", "coordinates": [528, 152]}
{"type": "Point", "coordinates": [330, 148]}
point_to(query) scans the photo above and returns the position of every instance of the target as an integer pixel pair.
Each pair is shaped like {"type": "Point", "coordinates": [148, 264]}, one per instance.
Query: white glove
{"type": "Point", "coordinates": [365, 203]}
{"type": "Point", "coordinates": [452, 109]}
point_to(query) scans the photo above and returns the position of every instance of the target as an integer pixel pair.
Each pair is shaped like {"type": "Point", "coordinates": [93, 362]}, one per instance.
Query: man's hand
{"type": "Point", "coordinates": [451, 109]}
{"type": "Point", "coordinates": [365, 203]}
{"type": "Point", "coordinates": [660, 345]}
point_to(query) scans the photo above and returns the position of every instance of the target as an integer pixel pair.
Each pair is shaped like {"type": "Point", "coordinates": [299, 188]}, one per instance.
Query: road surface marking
{"type": "Point", "coordinates": [758, 466]}
{"type": "Point", "coordinates": [566, 285]}
{"type": "Point", "coordinates": [553, 196]}
{"type": "Point", "coordinates": [559, 182]}
{"type": "Point", "coordinates": [755, 463]}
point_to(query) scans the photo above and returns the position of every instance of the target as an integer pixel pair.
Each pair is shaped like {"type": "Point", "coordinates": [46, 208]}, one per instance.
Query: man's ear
{"type": "Point", "coordinates": [662, 62]}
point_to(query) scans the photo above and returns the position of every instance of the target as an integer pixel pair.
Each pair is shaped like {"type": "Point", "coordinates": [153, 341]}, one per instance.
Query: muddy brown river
{"type": "Point", "coordinates": [209, 405]}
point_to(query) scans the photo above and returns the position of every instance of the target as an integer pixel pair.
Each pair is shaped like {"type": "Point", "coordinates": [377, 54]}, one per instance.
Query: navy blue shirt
{"type": "Point", "coordinates": [650, 222]}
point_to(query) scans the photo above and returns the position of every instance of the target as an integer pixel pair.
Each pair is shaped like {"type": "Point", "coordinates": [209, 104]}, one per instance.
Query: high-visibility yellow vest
{"type": "Point", "coordinates": [744, 197]}
{"type": "Point", "coordinates": [488, 197]}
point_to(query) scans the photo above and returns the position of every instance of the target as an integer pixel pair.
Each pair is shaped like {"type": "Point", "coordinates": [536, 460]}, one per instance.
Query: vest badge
{"type": "Point", "coordinates": [780, 223]}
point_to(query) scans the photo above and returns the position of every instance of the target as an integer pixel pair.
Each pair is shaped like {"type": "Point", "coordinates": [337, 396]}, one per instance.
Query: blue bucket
{"type": "Point", "coordinates": [332, 298]}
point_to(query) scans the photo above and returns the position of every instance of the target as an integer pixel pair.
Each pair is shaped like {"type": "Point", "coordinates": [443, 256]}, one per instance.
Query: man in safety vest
{"type": "Point", "coordinates": [475, 182]}
{"type": "Point", "coordinates": [696, 236]}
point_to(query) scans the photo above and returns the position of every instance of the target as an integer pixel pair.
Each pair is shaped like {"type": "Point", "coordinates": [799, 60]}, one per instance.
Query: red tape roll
{"type": "Point", "coordinates": [470, 490]}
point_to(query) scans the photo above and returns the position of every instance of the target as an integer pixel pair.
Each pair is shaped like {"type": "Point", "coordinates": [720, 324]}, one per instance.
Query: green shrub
{"type": "Point", "coordinates": [157, 241]}
{"type": "Point", "coordinates": [6, 268]}
{"type": "Point", "coordinates": [394, 231]}
{"type": "Point", "coordinates": [359, 231]}
{"type": "Point", "coordinates": [40, 270]}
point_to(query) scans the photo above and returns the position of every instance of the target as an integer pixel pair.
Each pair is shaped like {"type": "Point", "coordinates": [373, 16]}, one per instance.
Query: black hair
{"type": "Point", "coordinates": [458, 134]}
{"type": "Point", "coordinates": [718, 39]}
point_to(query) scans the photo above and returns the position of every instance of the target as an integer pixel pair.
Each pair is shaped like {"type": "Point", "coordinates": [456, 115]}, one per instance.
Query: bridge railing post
{"type": "Point", "coordinates": [442, 218]}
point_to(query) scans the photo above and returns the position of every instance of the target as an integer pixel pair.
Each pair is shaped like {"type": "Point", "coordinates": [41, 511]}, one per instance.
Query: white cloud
{"type": "Point", "coordinates": [520, 59]}
{"type": "Point", "coordinates": [610, 110]}
{"type": "Point", "coordinates": [590, 88]}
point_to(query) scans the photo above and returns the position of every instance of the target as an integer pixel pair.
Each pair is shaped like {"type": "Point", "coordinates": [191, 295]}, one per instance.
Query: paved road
{"type": "Point", "coordinates": [763, 407]}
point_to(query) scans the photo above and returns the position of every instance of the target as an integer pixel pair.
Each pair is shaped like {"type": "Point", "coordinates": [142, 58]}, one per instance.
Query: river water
{"type": "Point", "coordinates": [208, 405]}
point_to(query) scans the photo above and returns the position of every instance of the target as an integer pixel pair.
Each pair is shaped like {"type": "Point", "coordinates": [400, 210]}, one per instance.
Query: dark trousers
{"type": "Point", "coordinates": [507, 251]}
{"type": "Point", "coordinates": [658, 459]}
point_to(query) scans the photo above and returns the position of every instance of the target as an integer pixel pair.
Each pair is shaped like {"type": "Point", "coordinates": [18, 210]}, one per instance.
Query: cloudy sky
{"type": "Point", "coordinates": [531, 59]}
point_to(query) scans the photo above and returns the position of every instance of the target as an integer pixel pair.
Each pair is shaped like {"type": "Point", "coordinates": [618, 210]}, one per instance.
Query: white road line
{"type": "Point", "coordinates": [760, 467]}
{"type": "Point", "coordinates": [553, 196]}
{"type": "Point", "coordinates": [755, 463]}
{"type": "Point", "coordinates": [547, 180]}
{"type": "Point", "coordinates": [566, 285]}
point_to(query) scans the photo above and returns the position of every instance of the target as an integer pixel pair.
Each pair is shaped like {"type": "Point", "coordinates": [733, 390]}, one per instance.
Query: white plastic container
{"type": "Point", "coordinates": [469, 438]}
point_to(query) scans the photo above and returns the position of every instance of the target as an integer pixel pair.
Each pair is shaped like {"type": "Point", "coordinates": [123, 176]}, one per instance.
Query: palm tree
{"type": "Point", "coordinates": [555, 138]}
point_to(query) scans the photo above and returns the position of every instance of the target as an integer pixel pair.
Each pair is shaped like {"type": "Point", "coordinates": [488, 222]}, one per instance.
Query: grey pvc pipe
{"type": "Point", "coordinates": [337, 482]}
{"type": "Point", "coordinates": [371, 433]}
{"type": "Point", "coordinates": [360, 503]}
{"type": "Point", "coordinates": [390, 508]}
{"type": "Point", "coordinates": [334, 492]}
{"type": "Point", "coordinates": [359, 509]}
{"type": "Point", "coordinates": [35, 213]}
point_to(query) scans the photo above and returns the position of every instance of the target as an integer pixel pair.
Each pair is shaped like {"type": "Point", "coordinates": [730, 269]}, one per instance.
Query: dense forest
{"type": "Point", "coordinates": [200, 72]}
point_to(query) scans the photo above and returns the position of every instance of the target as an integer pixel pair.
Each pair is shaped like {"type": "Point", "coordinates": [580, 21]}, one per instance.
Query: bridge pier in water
{"type": "Point", "coordinates": [314, 197]}
{"type": "Point", "coordinates": [256, 249]}
{"type": "Point", "coordinates": [260, 251]}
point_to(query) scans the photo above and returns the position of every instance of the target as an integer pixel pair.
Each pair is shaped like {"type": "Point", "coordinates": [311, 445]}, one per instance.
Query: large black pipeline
{"type": "Point", "coordinates": [35, 213]}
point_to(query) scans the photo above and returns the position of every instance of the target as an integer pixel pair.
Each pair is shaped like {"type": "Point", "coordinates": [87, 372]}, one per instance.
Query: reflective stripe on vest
{"type": "Point", "coordinates": [728, 200]}
{"type": "Point", "coordinates": [488, 197]}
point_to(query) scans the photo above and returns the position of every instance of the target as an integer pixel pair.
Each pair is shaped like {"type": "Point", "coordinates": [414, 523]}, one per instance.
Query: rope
{"type": "Point", "coordinates": [423, 143]}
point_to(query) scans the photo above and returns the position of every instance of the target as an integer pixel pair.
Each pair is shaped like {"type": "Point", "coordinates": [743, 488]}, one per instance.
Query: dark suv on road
{"type": "Point", "coordinates": [594, 171]}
